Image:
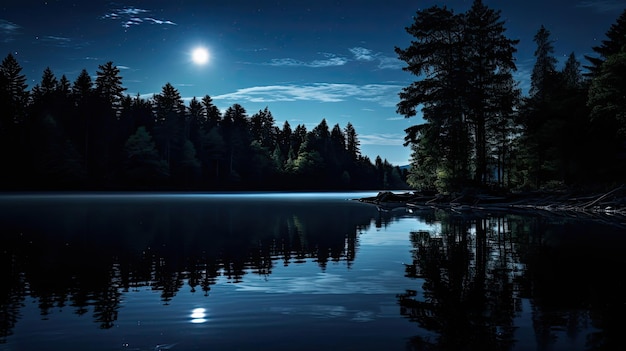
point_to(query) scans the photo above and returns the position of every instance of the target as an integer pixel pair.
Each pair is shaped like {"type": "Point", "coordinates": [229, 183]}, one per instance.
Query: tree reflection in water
{"type": "Point", "coordinates": [472, 280]}
{"type": "Point", "coordinates": [85, 255]}
{"type": "Point", "coordinates": [476, 271]}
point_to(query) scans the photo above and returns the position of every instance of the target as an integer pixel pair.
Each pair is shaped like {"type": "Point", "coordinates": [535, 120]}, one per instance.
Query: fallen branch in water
{"type": "Point", "coordinates": [610, 203]}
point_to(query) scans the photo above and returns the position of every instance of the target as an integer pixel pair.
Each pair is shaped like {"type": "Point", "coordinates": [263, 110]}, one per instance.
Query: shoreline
{"type": "Point", "coordinates": [610, 205]}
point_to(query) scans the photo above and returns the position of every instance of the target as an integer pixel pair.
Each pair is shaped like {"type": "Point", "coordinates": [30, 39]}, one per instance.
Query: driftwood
{"type": "Point", "coordinates": [611, 205]}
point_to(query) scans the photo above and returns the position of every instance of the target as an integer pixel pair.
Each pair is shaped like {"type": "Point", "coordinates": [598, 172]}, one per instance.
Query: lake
{"type": "Point", "coordinates": [301, 271]}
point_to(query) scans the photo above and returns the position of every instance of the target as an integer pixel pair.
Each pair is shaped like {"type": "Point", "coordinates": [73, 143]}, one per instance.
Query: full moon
{"type": "Point", "coordinates": [200, 56]}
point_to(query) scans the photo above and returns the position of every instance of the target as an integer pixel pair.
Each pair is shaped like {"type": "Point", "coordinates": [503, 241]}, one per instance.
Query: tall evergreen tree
{"type": "Point", "coordinates": [196, 121]}
{"type": "Point", "coordinates": [43, 92]}
{"type": "Point", "coordinates": [83, 97]}
{"type": "Point", "coordinates": [607, 101]}
{"type": "Point", "coordinates": [352, 142]}
{"type": "Point", "coordinates": [262, 128]}
{"type": "Point", "coordinates": [169, 110]}
{"type": "Point", "coordinates": [490, 84]}
{"type": "Point", "coordinates": [613, 44]}
{"type": "Point", "coordinates": [13, 94]}
{"type": "Point", "coordinates": [436, 56]}
{"type": "Point", "coordinates": [213, 114]}
{"type": "Point", "coordinates": [464, 64]}
{"type": "Point", "coordinates": [13, 101]}
{"type": "Point", "coordinates": [536, 115]}
{"type": "Point", "coordinates": [109, 85]}
{"type": "Point", "coordinates": [543, 77]}
{"type": "Point", "coordinates": [571, 73]}
{"type": "Point", "coordinates": [284, 139]}
{"type": "Point", "coordinates": [82, 88]}
{"type": "Point", "coordinates": [236, 132]}
{"type": "Point", "coordinates": [64, 87]}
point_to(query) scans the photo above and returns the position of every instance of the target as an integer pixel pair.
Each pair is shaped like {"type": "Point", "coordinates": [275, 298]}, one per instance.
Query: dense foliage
{"type": "Point", "coordinates": [480, 131]}
{"type": "Point", "coordinates": [90, 135]}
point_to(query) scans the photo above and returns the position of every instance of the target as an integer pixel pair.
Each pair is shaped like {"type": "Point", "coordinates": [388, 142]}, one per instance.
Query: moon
{"type": "Point", "coordinates": [200, 56]}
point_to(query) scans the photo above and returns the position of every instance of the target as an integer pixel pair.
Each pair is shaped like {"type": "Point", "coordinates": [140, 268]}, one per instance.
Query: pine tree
{"type": "Point", "coordinates": [196, 121]}
{"type": "Point", "coordinates": [213, 114]}
{"type": "Point", "coordinates": [613, 44]}
{"type": "Point", "coordinates": [262, 128]}
{"type": "Point", "coordinates": [82, 88]}
{"type": "Point", "coordinates": [538, 120]}
{"type": "Point", "coordinates": [236, 132]}
{"type": "Point", "coordinates": [571, 73]}
{"type": "Point", "coordinates": [543, 77]}
{"type": "Point", "coordinates": [490, 84]}
{"type": "Point", "coordinates": [13, 94]}
{"type": "Point", "coordinates": [352, 142]}
{"type": "Point", "coordinates": [169, 110]}
{"type": "Point", "coordinates": [436, 56]}
{"type": "Point", "coordinates": [109, 85]}
{"type": "Point", "coordinates": [43, 92]}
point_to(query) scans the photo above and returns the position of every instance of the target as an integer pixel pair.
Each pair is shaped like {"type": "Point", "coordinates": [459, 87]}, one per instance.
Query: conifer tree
{"type": "Point", "coordinates": [169, 110]}
{"type": "Point", "coordinates": [13, 94]}
{"type": "Point", "coordinates": [464, 65]}
{"type": "Point", "coordinates": [490, 84]}
{"type": "Point", "coordinates": [109, 85]}
{"type": "Point", "coordinates": [613, 44]}
{"type": "Point", "coordinates": [543, 77]}
{"type": "Point", "coordinates": [352, 142]}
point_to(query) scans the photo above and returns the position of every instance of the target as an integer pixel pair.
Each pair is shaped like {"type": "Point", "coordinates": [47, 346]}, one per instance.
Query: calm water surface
{"type": "Point", "coordinates": [311, 271]}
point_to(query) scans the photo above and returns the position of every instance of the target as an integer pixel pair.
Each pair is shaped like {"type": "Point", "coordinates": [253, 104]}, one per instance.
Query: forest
{"type": "Point", "coordinates": [87, 135]}
{"type": "Point", "coordinates": [480, 131]}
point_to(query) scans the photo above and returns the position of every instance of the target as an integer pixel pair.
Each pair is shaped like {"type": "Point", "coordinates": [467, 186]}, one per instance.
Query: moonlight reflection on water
{"type": "Point", "coordinates": [300, 271]}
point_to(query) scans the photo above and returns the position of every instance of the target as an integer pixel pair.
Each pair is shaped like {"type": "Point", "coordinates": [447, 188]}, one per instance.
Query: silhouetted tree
{"type": "Point", "coordinates": [437, 56]}
{"type": "Point", "coordinates": [169, 110]}
{"type": "Point", "coordinates": [613, 44]}
{"type": "Point", "coordinates": [109, 85]}
{"type": "Point", "coordinates": [13, 103]}
{"type": "Point", "coordinates": [491, 90]}
{"type": "Point", "coordinates": [262, 128]}
{"type": "Point", "coordinates": [543, 77]}
{"type": "Point", "coordinates": [607, 101]}
{"type": "Point", "coordinates": [352, 142]}
{"type": "Point", "coordinates": [213, 114]}
{"type": "Point", "coordinates": [13, 94]}
{"type": "Point", "coordinates": [538, 123]}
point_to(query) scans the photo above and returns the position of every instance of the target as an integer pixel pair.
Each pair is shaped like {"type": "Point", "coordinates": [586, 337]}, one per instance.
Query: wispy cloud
{"type": "Point", "coordinates": [384, 62]}
{"type": "Point", "coordinates": [158, 21]}
{"type": "Point", "coordinates": [8, 30]}
{"type": "Point", "coordinates": [362, 54]}
{"type": "Point", "coordinates": [133, 16]}
{"type": "Point", "coordinates": [386, 139]}
{"type": "Point", "coordinates": [320, 92]}
{"type": "Point", "coordinates": [603, 5]}
{"type": "Point", "coordinates": [330, 60]}
{"type": "Point", "coordinates": [62, 42]}
{"type": "Point", "coordinates": [334, 60]}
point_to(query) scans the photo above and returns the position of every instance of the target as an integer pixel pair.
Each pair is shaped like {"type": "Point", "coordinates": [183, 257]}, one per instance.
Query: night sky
{"type": "Point", "coordinates": [304, 60]}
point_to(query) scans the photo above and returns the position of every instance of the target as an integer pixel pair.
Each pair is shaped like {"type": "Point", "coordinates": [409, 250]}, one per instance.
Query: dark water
{"type": "Point", "coordinates": [301, 272]}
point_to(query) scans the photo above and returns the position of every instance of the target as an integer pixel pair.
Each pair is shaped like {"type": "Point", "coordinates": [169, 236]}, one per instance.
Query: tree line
{"type": "Point", "coordinates": [91, 135]}
{"type": "Point", "coordinates": [480, 131]}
